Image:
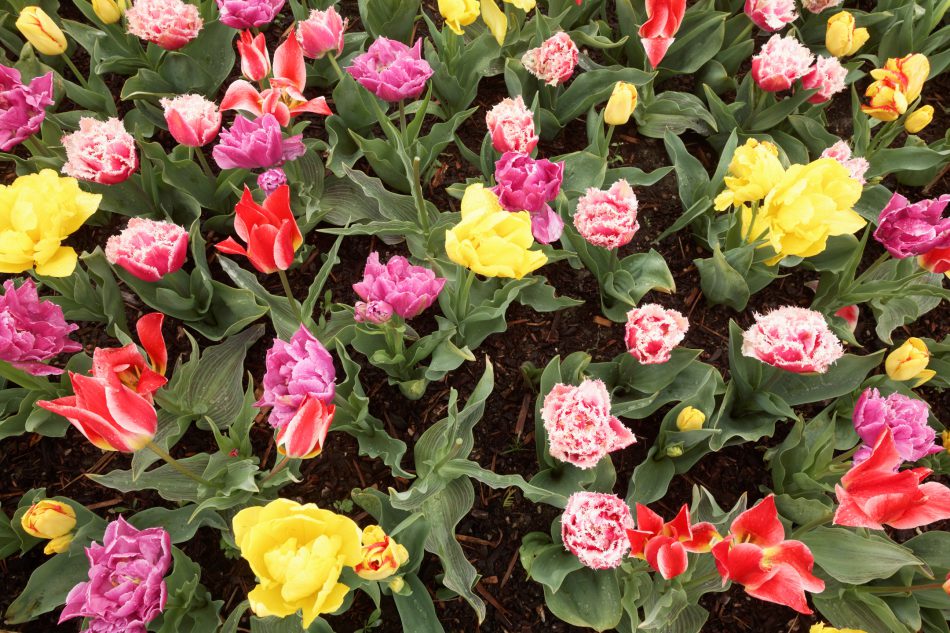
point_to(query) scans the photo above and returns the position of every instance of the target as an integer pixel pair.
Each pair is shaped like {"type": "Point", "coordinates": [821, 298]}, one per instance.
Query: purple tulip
{"type": "Point", "coordinates": [32, 330]}
{"type": "Point", "coordinates": [905, 417]}
{"type": "Point", "coordinates": [256, 144]}
{"type": "Point", "coordinates": [407, 289]}
{"type": "Point", "coordinates": [303, 367]}
{"type": "Point", "coordinates": [526, 184]}
{"type": "Point", "coordinates": [126, 588]}
{"type": "Point", "coordinates": [22, 108]}
{"type": "Point", "coordinates": [391, 70]}
{"type": "Point", "coordinates": [271, 179]}
{"type": "Point", "coordinates": [907, 229]}
{"type": "Point", "coordinates": [244, 14]}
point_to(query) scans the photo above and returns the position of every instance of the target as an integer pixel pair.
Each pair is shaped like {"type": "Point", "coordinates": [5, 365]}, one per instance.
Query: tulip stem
{"type": "Point", "coordinates": [158, 450]}
{"type": "Point", "coordinates": [294, 306]}
{"type": "Point", "coordinates": [908, 589]}
{"type": "Point", "coordinates": [417, 195]}
{"type": "Point", "coordinates": [825, 518]}
{"type": "Point", "coordinates": [610, 135]}
{"type": "Point", "coordinates": [279, 466]}
{"type": "Point", "coordinates": [336, 66]}
{"type": "Point", "coordinates": [203, 161]}
{"type": "Point", "coordinates": [843, 457]}
{"type": "Point", "coordinates": [402, 118]}
{"type": "Point", "coordinates": [75, 71]}
{"type": "Point", "coordinates": [36, 148]}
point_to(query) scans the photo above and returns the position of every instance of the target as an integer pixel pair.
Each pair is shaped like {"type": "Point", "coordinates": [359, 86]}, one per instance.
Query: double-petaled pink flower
{"type": "Point", "coordinates": [148, 249]}
{"type": "Point", "coordinates": [192, 120]}
{"type": "Point", "coordinates": [771, 15]}
{"type": "Point", "coordinates": [553, 62]}
{"type": "Point", "coordinates": [22, 107]}
{"type": "Point", "coordinates": [168, 23]}
{"type": "Point", "coordinates": [321, 33]}
{"type": "Point", "coordinates": [31, 330]}
{"type": "Point", "coordinates": [905, 417]}
{"type": "Point", "coordinates": [284, 98]}
{"type": "Point", "coordinates": [391, 70]}
{"type": "Point", "coordinates": [100, 151]}
{"type": "Point", "coordinates": [511, 126]}
{"type": "Point", "coordinates": [245, 14]}
{"type": "Point", "coordinates": [581, 430]}
{"type": "Point", "coordinates": [856, 165]}
{"type": "Point", "coordinates": [664, 18]}
{"type": "Point", "coordinates": [608, 218]}
{"type": "Point", "coordinates": [271, 179]}
{"type": "Point", "coordinates": [780, 62]}
{"type": "Point", "coordinates": [827, 75]}
{"type": "Point", "coordinates": [907, 230]}
{"type": "Point", "coordinates": [817, 6]}
{"type": "Point", "coordinates": [594, 528]}
{"type": "Point", "coordinates": [653, 331]}
{"type": "Point", "coordinates": [257, 144]}
{"type": "Point", "coordinates": [528, 184]}
{"type": "Point", "coordinates": [407, 290]}
{"type": "Point", "coordinates": [794, 339]}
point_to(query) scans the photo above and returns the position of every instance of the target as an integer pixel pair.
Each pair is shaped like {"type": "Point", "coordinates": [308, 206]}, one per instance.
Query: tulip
{"type": "Point", "coordinates": [622, 103]}
{"type": "Point", "coordinates": [245, 14]}
{"type": "Point", "coordinates": [22, 106]}
{"type": "Point", "coordinates": [906, 417]}
{"type": "Point", "coordinates": [257, 144]}
{"type": "Point", "coordinates": [793, 339]}
{"type": "Point", "coordinates": [53, 520]}
{"type": "Point", "coordinates": [459, 13]}
{"type": "Point", "coordinates": [554, 61]}
{"type": "Point", "coordinates": [919, 119]}
{"type": "Point", "coordinates": [828, 76]}
{"type": "Point", "coordinates": [100, 151]}
{"type": "Point", "coordinates": [528, 184]}
{"type": "Point", "coordinates": [511, 126]}
{"type": "Point", "coordinates": [664, 545]}
{"type": "Point", "coordinates": [856, 165]}
{"type": "Point", "coordinates": [32, 330]}
{"type": "Point", "coordinates": [304, 435]}
{"type": "Point", "coordinates": [771, 15]}
{"type": "Point", "coordinates": [169, 24]}
{"type": "Point", "coordinates": [40, 31]}
{"type": "Point", "coordinates": [608, 218]}
{"type": "Point", "coordinates": [664, 18]}
{"type": "Point", "coordinates": [690, 419]}
{"type": "Point", "coordinates": [936, 260]}
{"type": "Point", "coordinates": [850, 315]}
{"type": "Point", "coordinates": [372, 312]}
{"type": "Point", "coordinates": [271, 179]}
{"type": "Point", "coordinates": [269, 230]}
{"type": "Point", "coordinates": [754, 170]}
{"type": "Point", "coordinates": [780, 62]}
{"type": "Point", "coordinates": [148, 249]}
{"type": "Point", "coordinates": [391, 70]}
{"type": "Point", "coordinates": [594, 528]}
{"type": "Point", "coordinates": [109, 11]}
{"type": "Point", "coordinates": [408, 290]}
{"type": "Point", "coordinates": [192, 120]}
{"type": "Point", "coordinates": [906, 229]}
{"type": "Point", "coordinates": [652, 332]}
{"type": "Point", "coordinates": [909, 362]}
{"type": "Point", "coordinates": [255, 60]}
{"type": "Point", "coordinates": [896, 86]}
{"type": "Point", "coordinates": [298, 370]}
{"type": "Point", "coordinates": [382, 556]}
{"type": "Point", "coordinates": [321, 33]}
{"type": "Point", "coordinates": [841, 38]}
{"type": "Point", "coordinates": [874, 493]}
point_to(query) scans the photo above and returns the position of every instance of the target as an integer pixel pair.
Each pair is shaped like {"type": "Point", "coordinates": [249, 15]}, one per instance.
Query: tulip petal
{"type": "Point", "coordinates": [760, 522]}
{"type": "Point", "coordinates": [242, 96]}
{"type": "Point", "coordinates": [149, 329]}
{"type": "Point", "coordinates": [231, 247]}
{"type": "Point", "coordinates": [289, 64]}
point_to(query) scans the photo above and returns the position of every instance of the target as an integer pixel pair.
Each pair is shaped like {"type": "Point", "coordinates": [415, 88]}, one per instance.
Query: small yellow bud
{"type": "Point", "coordinates": [909, 362]}
{"type": "Point", "coordinates": [40, 30]}
{"type": "Point", "coordinates": [690, 419]}
{"type": "Point", "coordinates": [622, 103]}
{"type": "Point", "coordinates": [919, 119]}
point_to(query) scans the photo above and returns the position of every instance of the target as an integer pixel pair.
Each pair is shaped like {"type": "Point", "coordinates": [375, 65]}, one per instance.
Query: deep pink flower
{"type": "Point", "coordinates": [32, 330]}
{"type": "Point", "coordinates": [257, 144]}
{"type": "Point", "coordinates": [906, 229]}
{"type": "Point", "coordinates": [407, 289]}
{"type": "Point", "coordinates": [828, 76]}
{"type": "Point", "coordinates": [511, 126]}
{"type": "Point", "coordinates": [607, 218]}
{"type": "Point", "coordinates": [528, 184]}
{"type": "Point", "coordinates": [148, 249]}
{"type": "Point", "coordinates": [553, 62]}
{"type": "Point", "coordinates": [771, 15]}
{"type": "Point", "coordinates": [579, 425]}
{"type": "Point", "coordinates": [372, 312]}
{"type": "Point", "coordinates": [244, 14]}
{"type": "Point", "coordinates": [321, 33]}
{"type": "Point", "coordinates": [126, 587]}
{"type": "Point", "coordinates": [295, 370]}
{"type": "Point", "coordinates": [168, 23]}
{"type": "Point", "coordinates": [653, 331]}
{"type": "Point", "coordinates": [594, 528]}
{"type": "Point", "coordinates": [271, 179]}
{"type": "Point", "coordinates": [794, 339]}
{"type": "Point", "coordinates": [391, 70]}
{"type": "Point", "coordinates": [22, 107]}
{"type": "Point", "coordinates": [905, 417]}
{"type": "Point", "coordinates": [855, 165]}
{"type": "Point", "coordinates": [780, 61]}
{"type": "Point", "coordinates": [192, 120]}
{"type": "Point", "coordinates": [100, 151]}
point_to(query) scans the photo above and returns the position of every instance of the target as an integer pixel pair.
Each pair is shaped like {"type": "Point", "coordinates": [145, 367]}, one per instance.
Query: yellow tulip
{"type": "Point", "coordinates": [297, 553]}
{"type": "Point", "coordinates": [919, 119]}
{"type": "Point", "coordinates": [495, 19]}
{"type": "Point", "coordinates": [382, 556]}
{"type": "Point", "coordinates": [109, 11]}
{"type": "Point", "coordinates": [622, 103]}
{"type": "Point", "coordinates": [396, 584]}
{"type": "Point", "coordinates": [841, 38]}
{"type": "Point", "coordinates": [945, 440]}
{"type": "Point", "coordinates": [491, 241]}
{"type": "Point", "coordinates": [909, 362]}
{"type": "Point", "coordinates": [690, 419]}
{"type": "Point", "coordinates": [821, 628]}
{"type": "Point", "coordinates": [525, 5]}
{"type": "Point", "coordinates": [754, 170]}
{"type": "Point", "coordinates": [41, 31]}
{"type": "Point", "coordinates": [896, 86]}
{"type": "Point", "coordinates": [458, 13]}
{"type": "Point", "coordinates": [51, 520]}
{"type": "Point", "coordinates": [38, 212]}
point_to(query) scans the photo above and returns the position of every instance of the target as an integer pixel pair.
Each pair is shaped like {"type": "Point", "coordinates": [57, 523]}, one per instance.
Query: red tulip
{"type": "Point", "coordinates": [757, 556]}
{"type": "Point", "coordinates": [664, 545]}
{"type": "Point", "coordinates": [269, 230]}
{"type": "Point", "coordinates": [936, 260]}
{"type": "Point", "coordinates": [663, 21]}
{"type": "Point", "coordinates": [304, 435]}
{"type": "Point", "coordinates": [255, 61]}
{"type": "Point", "coordinates": [113, 407]}
{"type": "Point", "coordinates": [874, 494]}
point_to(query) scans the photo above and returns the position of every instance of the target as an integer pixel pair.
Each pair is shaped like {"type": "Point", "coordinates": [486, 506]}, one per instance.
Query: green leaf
{"type": "Point", "coordinates": [546, 562]}
{"type": "Point", "coordinates": [721, 283]}
{"type": "Point", "coordinates": [416, 609]}
{"type": "Point", "coordinates": [842, 378]}
{"type": "Point", "coordinates": [48, 585]}
{"type": "Point", "coordinates": [691, 176]}
{"type": "Point", "coordinates": [588, 598]}
{"type": "Point", "coordinates": [854, 559]}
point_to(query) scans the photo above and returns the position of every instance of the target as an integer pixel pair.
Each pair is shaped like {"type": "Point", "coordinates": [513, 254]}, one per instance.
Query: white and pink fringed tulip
{"type": "Point", "coordinates": [148, 249]}
{"type": "Point", "coordinates": [100, 151]}
{"type": "Point", "coordinates": [794, 339]}
{"type": "Point", "coordinates": [780, 62]}
{"type": "Point", "coordinates": [511, 126]}
{"type": "Point", "coordinates": [192, 120]}
{"type": "Point", "coordinates": [653, 331]}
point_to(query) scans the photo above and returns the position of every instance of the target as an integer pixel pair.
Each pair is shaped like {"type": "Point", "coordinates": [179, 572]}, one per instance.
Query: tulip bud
{"type": "Point", "coordinates": [382, 556]}
{"type": "Point", "coordinates": [622, 103]}
{"type": "Point", "coordinates": [397, 584]}
{"type": "Point", "coordinates": [919, 119]}
{"type": "Point", "coordinates": [674, 450]}
{"type": "Point", "coordinates": [945, 440]}
{"type": "Point", "coordinates": [52, 520]}
{"type": "Point", "coordinates": [255, 62]}
{"type": "Point", "coordinates": [41, 31]}
{"type": "Point", "coordinates": [109, 11]}
{"type": "Point", "coordinates": [909, 362]}
{"type": "Point", "coordinates": [690, 419]}
{"type": "Point", "coordinates": [841, 38]}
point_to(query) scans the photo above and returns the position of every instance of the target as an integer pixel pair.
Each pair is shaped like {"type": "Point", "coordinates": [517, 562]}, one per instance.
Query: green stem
{"type": "Point", "coordinates": [294, 306]}
{"type": "Point", "coordinates": [826, 518]}
{"type": "Point", "coordinates": [203, 161]}
{"type": "Point", "coordinates": [336, 66]}
{"type": "Point", "coordinates": [402, 119]}
{"type": "Point", "coordinates": [755, 212]}
{"type": "Point", "coordinates": [75, 71]}
{"type": "Point", "coordinates": [279, 466]}
{"type": "Point", "coordinates": [155, 448]}
{"type": "Point", "coordinates": [462, 298]}
{"type": "Point", "coordinates": [417, 196]}
{"type": "Point", "coordinates": [933, 585]}
{"type": "Point", "coordinates": [610, 135]}
{"type": "Point", "coordinates": [843, 457]}
{"type": "Point", "coordinates": [36, 148]}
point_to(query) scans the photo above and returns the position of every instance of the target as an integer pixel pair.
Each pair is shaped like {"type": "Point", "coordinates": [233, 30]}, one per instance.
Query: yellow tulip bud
{"type": "Point", "coordinates": [821, 628]}
{"type": "Point", "coordinates": [109, 11]}
{"type": "Point", "coordinates": [841, 38]}
{"type": "Point", "coordinates": [674, 450]}
{"type": "Point", "coordinates": [495, 19]}
{"type": "Point", "coordinates": [52, 520]}
{"type": "Point", "coordinates": [919, 119]}
{"type": "Point", "coordinates": [459, 13]}
{"type": "Point", "coordinates": [397, 584]}
{"type": "Point", "coordinates": [41, 31]}
{"type": "Point", "coordinates": [909, 362]}
{"type": "Point", "coordinates": [945, 440]}
{"type": "Point", "coordinates": [622, 103]}
{"type": "Point", "coordinates": [382, 556]}
{"type": "Point", "coordinates": [690, 419]}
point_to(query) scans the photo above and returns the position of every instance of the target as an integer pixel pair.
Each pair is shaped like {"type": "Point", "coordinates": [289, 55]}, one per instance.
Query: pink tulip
{"type": "Point", "coordinates": [321, 33]}
{"type": "Point", "coordinates": [553, 62]}
{"type": "Point", "coordinates": [32, 330]}
{"type": "Point", "coordinates": [255, 60]}
{"type": "Point", "coordinates": [653, 331]}
{"type": "Point", "coordinates": [608, 218]}
{"type": "Point", "coordinates": [511, 126]}
{"type": "Point", "coordinates": [771, 15]}
{"type": "Point", "coordinates": [257, 144]}
{"type": "Point", "coordinates": [192, 120]}
{"type": "Point", "coordinates": [408, 290]}
{"type": "Point", "coordinates": [303, 437]}
{"type": "Point", "coordinates": [391, 70]}
{"type": "Point", "coordinates": [100, 151]}
{"type": "Point", "coordinates": [794, 339]}
{"type": "Point", "coordinates": [22, 106]}
{"type": "Point", "coordinates": [243, 14]}
{"type": "Point", "coordinates": [148, 249]}
{"type": "Point", "coordinates": [168, 23]}
{"type": "Point", "coordinates": [827, 76]}
{"type": "Point", "coordinates": [780, 61]}
{"type": "Point", "coordinates": [855, 165]}
{"type": "Point", "coordinates": [664, 18]}
{"type": "Point", "coordinates": [594, 528]}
